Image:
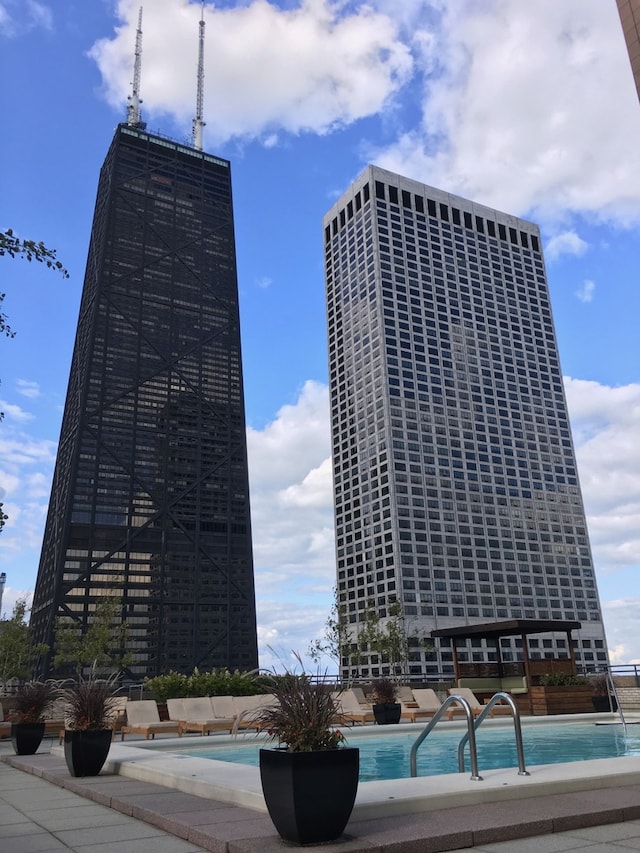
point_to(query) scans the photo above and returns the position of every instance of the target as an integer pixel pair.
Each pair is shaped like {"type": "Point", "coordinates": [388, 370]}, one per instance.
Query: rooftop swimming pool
{"type": "Point", "coordinates": [385, 755]}
{"type": "Point", "coordinates": [575, 742]}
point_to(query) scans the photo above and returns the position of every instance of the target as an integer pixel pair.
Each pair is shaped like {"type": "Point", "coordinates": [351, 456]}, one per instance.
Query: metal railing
{"type": "Point", "coordinates": [451, 700]}
{"type": "Point", "coordinates": [486, 711]}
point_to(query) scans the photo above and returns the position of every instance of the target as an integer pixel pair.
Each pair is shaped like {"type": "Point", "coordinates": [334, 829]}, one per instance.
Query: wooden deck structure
{"type": "Point", "coordinates": [498, 674]}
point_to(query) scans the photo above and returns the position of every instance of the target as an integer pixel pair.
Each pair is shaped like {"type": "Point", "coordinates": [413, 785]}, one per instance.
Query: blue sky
{"type": "Point", "coordinates": [528, 107]}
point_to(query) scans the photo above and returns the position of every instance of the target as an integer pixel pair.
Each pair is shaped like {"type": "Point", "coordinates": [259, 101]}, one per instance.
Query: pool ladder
{"type": "Point", "coordinates": [470, 736]}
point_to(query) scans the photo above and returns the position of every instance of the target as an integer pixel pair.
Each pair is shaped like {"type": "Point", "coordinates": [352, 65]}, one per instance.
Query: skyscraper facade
{"type": "Point", "coordinates": [150, 498]}
{"type": "Point", "coordinates": [455, 481]}
{"type": "Point", "coordinates": [630, 18]}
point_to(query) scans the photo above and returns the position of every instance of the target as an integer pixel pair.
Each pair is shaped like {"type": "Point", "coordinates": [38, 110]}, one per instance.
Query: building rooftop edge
{"type": "Point", "coordinates": [402, 181]}
{"type": "Point", "coordinates": [168, 142]}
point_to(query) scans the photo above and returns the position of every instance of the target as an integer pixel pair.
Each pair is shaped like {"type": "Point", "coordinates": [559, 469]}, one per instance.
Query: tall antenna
{"type": "Point", "coordinates": [133, 109]}
{"type": "Point", "coordinates": [198, 122]}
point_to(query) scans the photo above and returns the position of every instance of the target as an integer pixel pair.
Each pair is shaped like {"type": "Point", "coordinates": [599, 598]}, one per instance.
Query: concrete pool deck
{"type": "Point", "coordinates": [604, 810]}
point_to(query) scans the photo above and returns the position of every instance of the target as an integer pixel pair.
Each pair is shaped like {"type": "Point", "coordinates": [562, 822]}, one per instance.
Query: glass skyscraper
{"type": "Point", "coordinates": [455, 481]}
{"type": "Point", "coordinates": [150, 497]}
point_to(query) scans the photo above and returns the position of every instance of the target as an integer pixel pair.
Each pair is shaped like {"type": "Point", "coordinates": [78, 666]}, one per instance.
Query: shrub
{"type": "Point", "coordinates": [217, 682]}
{"type": "Point", "coordinates": [302, 716]}
{"type": "Point", "coordinates": [90, 703]}
{"type": "Point", "coordinates": [173, 685]}
{"type": "Point", "coordinates": [33, 700]}
{"type": "Point", "coordinates": [600, 684]}
{"type": "Point", "coordinates": [385, 691]}
{"type": "Point", "coordinates": [562, 679]}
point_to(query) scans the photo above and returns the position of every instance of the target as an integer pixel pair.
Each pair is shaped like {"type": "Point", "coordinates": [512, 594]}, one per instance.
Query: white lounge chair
{"type": "Point", "coordinates": [143, 718]}
{"type": "Point", "coordinates": [405, 694]}
{"type": "Point", "coordinates": [474, 703]}
{"type": "Point", "coordinates": [424, 705]}
{"type": "Point", "coordinates": [358, 692]}
{"type": "Point", "coordinates": [201, 715]}
{"type": "Point", "coordinates": [350, 710]}
{"type": "Point", "coordinates": [248, 710]}
{"type": "Point", "coordinates": [175, 709]}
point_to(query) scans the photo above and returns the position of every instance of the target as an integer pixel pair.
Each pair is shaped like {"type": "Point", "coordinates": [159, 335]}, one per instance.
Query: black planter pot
{"type": "Point", "coordinates": [86, 751]}
{"type": "Point", "coordinates": [603, 703]}
{"type": "Point", "coordinates": [387, 713]}
{"type": "Point", "coordinates": [310, 795]}
{"type": "Point", "coordinates": [26, 737]}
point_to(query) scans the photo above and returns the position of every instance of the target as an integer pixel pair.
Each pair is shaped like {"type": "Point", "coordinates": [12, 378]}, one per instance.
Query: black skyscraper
{"type": "Point", "coordinates": [150, 498]}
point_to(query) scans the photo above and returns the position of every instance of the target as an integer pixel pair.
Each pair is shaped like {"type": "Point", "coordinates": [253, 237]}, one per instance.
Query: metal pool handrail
{"type": "Point", "coordinates": [497, 697]}
{"type": "Point", "coordinates": [450, 700]}
{"type": "Point", "coordinates": [612, 691]}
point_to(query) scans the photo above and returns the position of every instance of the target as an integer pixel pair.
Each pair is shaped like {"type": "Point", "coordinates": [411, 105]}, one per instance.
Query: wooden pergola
{"type": "Point", "coordinates": [510, 628]}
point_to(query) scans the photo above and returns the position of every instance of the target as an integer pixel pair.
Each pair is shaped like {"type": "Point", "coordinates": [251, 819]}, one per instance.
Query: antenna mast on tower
{"type": "Point", "coordinates": [133, 110]}
{"type": "Point", "coordinates": [198, 122]}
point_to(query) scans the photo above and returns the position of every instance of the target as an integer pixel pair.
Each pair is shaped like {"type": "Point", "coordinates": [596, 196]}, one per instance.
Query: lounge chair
{"type": "Point", "coordinates": [202, 715]}
{"type": "Point", "coordinates": [358, 692]}
{"type": "Point", "coordinates": [405, 694]}
{"type": "Point", "coordinates": [175, 709]}
{"type": "Point", "coordinates": [248, 710]}
{"type": "Point", "coordinates": [475, 705]}
{"type": "Point", "coordinates": [224, 707]}
{"type": "Point", "coordinates": [424, 705]}
{"type": "Point", "coordinates": [54, 721]}
{"type": "Point", "coordinates": [350, 710]}
{"type": "Point", "coordinates": [143, 719]}
{"type": "Point", "coordinates": [119, 712]}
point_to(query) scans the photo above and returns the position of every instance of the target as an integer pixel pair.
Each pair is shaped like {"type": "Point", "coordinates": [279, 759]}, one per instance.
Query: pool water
{"type": "Point", "coordinates": [386, 756]}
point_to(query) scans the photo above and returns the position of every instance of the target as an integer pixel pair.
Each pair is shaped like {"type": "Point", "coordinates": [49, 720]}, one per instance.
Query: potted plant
{"type": "Point", "coordinates": [561, 693]}
{"type": "Point", "coordinates": [386, 709]}
{"type": "Point", "coordinates": [32, 701]}
{"type": "Point", "coordinates": [602, 699]}
{"type": "Point", "coordinates": [310, 779]}
{"type": "Point", "coordinates": [88, 725]}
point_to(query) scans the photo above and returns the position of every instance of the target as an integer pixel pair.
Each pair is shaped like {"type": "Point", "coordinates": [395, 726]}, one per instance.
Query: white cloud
{"type": "Point", "coordinates": [6, 24]}
{"type": "Point", "coordinates": [285, 631]}
{"type": "Point", "coordinates": [529, 107]}
{"type": "Point", "coordinates": [41, 15]}
{"type": "Point", "coordinates": [9, 598]}
{"type": "Point", "coordinates": [585, 294]}
{"type": "Point", "coordinates": [14, 413]}
{"type": "Point", "coordinates": [28, 389]}
{"type": "Point", "coordinates": [292, 522]}
{"type": "Point", "coordinates": [21, 450]}
{"type": "Point", "coordinates": [297, 439]}
{"type": "Point", "coordinates": [26, 469]}
{"type": "Point", "coordinates": [18, 18]}
{"type": "Point", "coordinates": [312, 491]}
{"type": "Point", "coordinates": [264, 282]}
{"type": "Point", "coordinates": [622, 620]}
{"type": "Point", "coordinates": [566, 243]}
{"type": "Point", "coordinates": [606, 425]}
{"type": "Point", "coordinates": [314, 67]}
